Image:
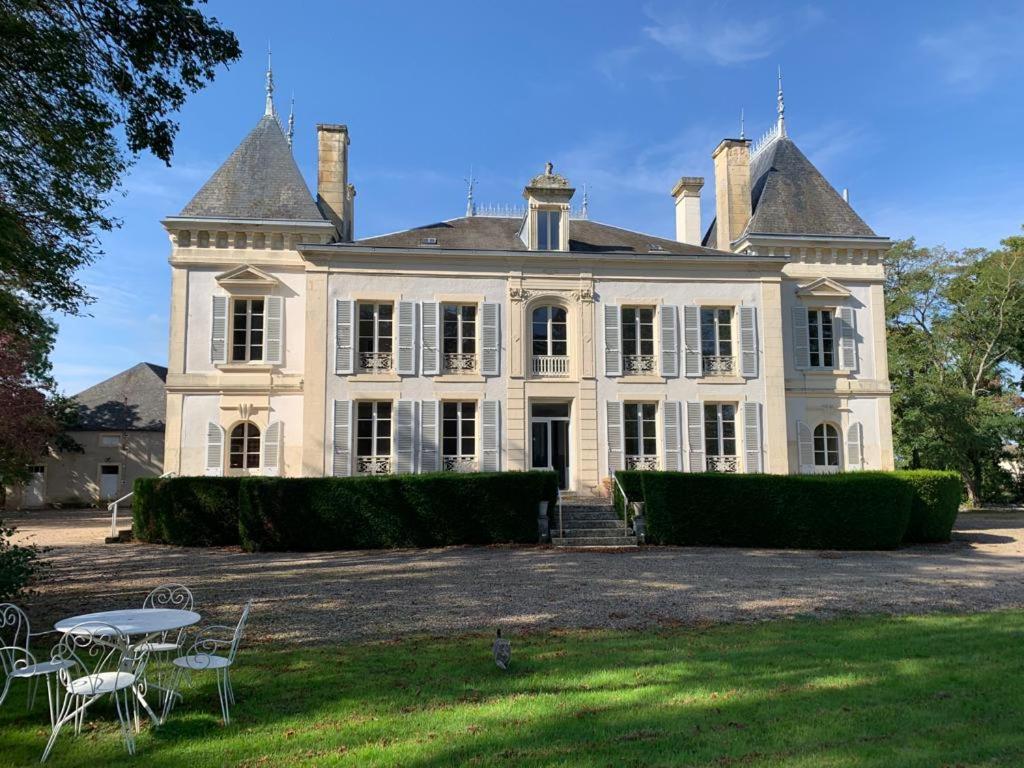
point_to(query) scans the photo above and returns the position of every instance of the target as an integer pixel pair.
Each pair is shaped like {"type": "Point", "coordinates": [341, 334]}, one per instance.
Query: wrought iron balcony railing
{"type": "Point", "coordinates": [459, 464]}
{"type": "Point", "coordinates": [639, 365]}
{"type": "Point", "coordinates": [722, 464]}
{"type": "Point", "coordinates": [375, 362]}
{"type": "Point", "coordinates": [642, 462]}
{"type": "Point", "coordinates": [719, 365]}
{"type": "Point", "coordinates": [459, 362]}
{"type": "Point", "coordinates": [373, 465]}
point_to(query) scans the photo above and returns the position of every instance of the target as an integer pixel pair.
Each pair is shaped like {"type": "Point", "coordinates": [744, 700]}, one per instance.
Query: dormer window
{"type": "Point", "coordinates": [549, 230]}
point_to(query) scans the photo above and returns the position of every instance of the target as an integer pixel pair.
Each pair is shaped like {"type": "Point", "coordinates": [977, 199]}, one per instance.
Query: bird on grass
{"type": "Point", "coordinates": [502, 650]}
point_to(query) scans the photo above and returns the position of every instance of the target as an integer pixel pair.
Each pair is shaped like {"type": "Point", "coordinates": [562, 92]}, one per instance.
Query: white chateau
{"type": "Point", "coordinates": [540, 340]}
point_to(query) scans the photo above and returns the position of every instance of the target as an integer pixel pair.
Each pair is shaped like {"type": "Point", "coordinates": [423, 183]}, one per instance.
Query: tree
{"type": "Point", "coordinates": [26, 423]}
{"type": "Point", "coordinates": [955, 321]}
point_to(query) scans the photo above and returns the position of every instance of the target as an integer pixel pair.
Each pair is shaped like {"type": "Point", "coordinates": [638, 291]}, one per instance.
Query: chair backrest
{"type": "Point", "coordinates": [239, 630]}
{"type": "Point", "coordinates": [176, 596]}
{"type": "Point", "coordinates": [14, 626]}
{"type": "Point", "coordinates": [94, 648]}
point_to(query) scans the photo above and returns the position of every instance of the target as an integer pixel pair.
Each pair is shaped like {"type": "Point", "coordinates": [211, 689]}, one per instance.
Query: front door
{"type": "Point", "coordinates": [110, 481]}
{"type": "Point", "coordinates": [35, 488]}
{"type": "Point", "coordinates": [549, 439]}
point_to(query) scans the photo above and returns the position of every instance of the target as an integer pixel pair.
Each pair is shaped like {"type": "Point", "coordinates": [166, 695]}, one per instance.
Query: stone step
{"type": "Point", "coordinates": [599, 511]}
{"type": "Point", "coordinates": [602, 541]}
{"type": "Point", "coordinates": [590, 532]}
{"type": "Point", "coordinates": [581, 523]}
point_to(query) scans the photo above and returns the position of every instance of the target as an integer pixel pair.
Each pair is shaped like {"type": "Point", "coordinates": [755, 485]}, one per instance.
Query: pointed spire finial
{"type": "Point", "coordinates": [291, 121]}
{"type": "Point", "coordinates": [269, 110]}
{"type": "Point", "coordinates": [782, 107]}
{"type": "Point", "coordinates": [470, 204]}
{"type": "Point", "coordinates": [585, 210]}
{"type": "Point", "coordinates": [743, 134]}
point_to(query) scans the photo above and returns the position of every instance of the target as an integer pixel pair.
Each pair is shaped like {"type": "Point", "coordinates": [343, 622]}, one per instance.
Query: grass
{"type": "Point", "coordinates": [867, 692]}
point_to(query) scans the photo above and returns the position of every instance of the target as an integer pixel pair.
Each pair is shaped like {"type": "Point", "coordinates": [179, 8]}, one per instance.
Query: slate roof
{"type": "Point", "coordinates": [502, 234]}
{"type": "Point", "coordinates": [789, 196]}
{"type": "Point", "coordinates": [260, 180]}
{"type": "Point", "coordinates": [133, 400]}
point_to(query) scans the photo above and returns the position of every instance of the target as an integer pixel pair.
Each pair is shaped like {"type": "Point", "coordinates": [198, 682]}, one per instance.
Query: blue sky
{"type": "Point", "coordinates": [915, 107]}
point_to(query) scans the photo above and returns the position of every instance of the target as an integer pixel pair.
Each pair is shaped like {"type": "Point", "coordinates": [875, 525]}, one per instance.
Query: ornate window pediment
{"type": "Point", "coordinates": [823, 287]}
{"type": "Point", "coordinates": [248, 278]}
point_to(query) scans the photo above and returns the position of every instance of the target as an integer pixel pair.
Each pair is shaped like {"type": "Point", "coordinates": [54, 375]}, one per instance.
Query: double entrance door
{"type": "Point", "coordinates": [549, 439]}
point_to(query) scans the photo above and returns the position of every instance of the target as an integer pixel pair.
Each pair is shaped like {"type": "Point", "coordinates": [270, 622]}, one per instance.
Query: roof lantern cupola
{"type": "Point", "coordinates": [546, 224]}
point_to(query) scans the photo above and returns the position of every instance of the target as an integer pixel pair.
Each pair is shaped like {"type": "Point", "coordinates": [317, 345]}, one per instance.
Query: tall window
{"type": "Point", "coordinates": [720, 437]}
{"type": "Point", "coordinates": [550, 331]}
{"type": "Point", "coordinates": [373, 437]}
{"type": "Point", "coordinates": [638, 340]}
{"type": "Point", "coordinates": [826, 446]}
{"type": "Point", "coordinates": [459, 341]}
{"type": "Point", "coordinates": [246, 330]}
{"type": "Point", "coordinates": [375, 336]}
{"type": "Point", "coordinates": [548, 230]}
{"type": "Point", "coordinates": [820, 340]}
{"type": "Point", "coordinates": [244, 447]}
{"type": "Point", "coordinates": [716, 340]}
{"type": "Point", "coordinates": [458, 436]}
{"type": "Point", "coordinates": [641, 435]}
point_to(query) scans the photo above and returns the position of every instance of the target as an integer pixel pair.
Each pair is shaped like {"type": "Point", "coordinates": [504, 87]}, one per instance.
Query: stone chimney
{"type": "Point", "coordinates": [332, 188]}
{"type": "Point", "coordinates": [732, 190]}
{"type": "Point", "coordinates": [687, 196]}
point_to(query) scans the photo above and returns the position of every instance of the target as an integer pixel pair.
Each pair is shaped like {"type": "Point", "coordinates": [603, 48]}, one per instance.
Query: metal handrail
{"type": "Point", "coordinates": [112, 508]}
{"type": "Point", "coordinates": [625, 503]}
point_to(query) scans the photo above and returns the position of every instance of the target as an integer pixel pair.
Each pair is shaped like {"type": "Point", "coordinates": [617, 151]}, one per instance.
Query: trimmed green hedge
{"type": "Point", "coordinates": [936, 503]}
{"type": "Point", "coordinates": [187, 511]}
{"type": "Point", "coordinates": [859, 510]}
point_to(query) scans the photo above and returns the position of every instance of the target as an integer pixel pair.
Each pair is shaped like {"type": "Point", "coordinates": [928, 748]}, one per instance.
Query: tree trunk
{"type": "Point", "coordinates": [915, 459]}
{"type": "Point", "coordinates": [976, 471]}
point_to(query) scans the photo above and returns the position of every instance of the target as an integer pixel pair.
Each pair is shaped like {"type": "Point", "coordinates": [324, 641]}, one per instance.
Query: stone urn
{"type": "Point", "coordinates": [543, 525]}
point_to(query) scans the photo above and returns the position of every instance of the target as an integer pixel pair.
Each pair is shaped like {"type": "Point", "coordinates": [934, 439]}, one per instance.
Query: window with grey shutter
{"type": "Point", "coordinates": [491, 442]}
{"type": "Point", "coordinates": [490, 331]}
{"type": "Point", "coordinates": [344, 349]}
{"type": "Point", "coordinates": [669, 316]}
{"type": "Point", "coordinates": [847, 333]}
{"type": "Point", "coordinates": [855, 446]}
{"type": "Point", "coordinates": [748, 342]}
{"type": "Point", "coordinates": [405, 413]}
{"type": "Point", "coordinates": [429, 427]}
{"type": "Point", "coordinates": [672, 437]}
{"type": "Point", "coordinates": [272, 443]}
{"type": "Point", "coordinates": [219, 330]}
{"type": "Point", "coordinates": [430, 336]}
{"type": "Point", "coordinates": [805, 448]}
{"type": "Point", "coordinates": [691, 341]}
{"type": "Point", "coordinates": [406, 338]}
{"type": "Point", "coordinates": [273, 350]}
{"type": "Point", "coordinates": [613, 423]}
{"type": "Point", "coordinates": [695, 436]}
{"type": "Point", "coordinates": [612, 341]}
{"type": "Point", "coordinates": [341, 465]}
{"type": "Point", "coordinates": [214, 449]}
{"type": "Point", "coordinates": [801, 347]}
{"type": "Point", "coordinates": [753, 457]}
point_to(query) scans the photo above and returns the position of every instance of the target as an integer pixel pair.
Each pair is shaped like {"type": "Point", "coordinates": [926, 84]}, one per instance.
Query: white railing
{"type": "Point", "coordinates": [112, 508]}
{"type": "Point", "coordinates": [719, 365]}
{"type": "Point", "coordinates": [373, 465]}
{"type": "Point", "coordinates": [722, 464]}
{"type": "Point", "coordinates": [649, 463]}
{"type": "Point", "coordinates": [638, 365]}
{"type": "Point", "coordinates": [550, 365]}
{"type": "Point", "coordinates": [459, 362]}
{"type": "Point", "coordinates": [459, 463]}
{"type": "Point", "coordinates": [375, 362]}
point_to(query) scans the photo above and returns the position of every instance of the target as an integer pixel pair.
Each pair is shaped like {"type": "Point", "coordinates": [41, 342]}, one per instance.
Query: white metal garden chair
{"type": "Point", "coordinates": [18, 662]}
{"type": "Point", "coordinates": [167, 645]}
{"type": "Point", "coordinates": [203, 655]}
{"type": "Point", "coordinates": [100, 652]}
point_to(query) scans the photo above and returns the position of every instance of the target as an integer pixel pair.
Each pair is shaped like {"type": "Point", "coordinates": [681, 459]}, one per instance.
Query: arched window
{"type": "Point", "coordinates": [550, 331]}
{"type": "Point", "coordinates": [244, 450]}
{"type": "Point", "coordinates": [826, 446]}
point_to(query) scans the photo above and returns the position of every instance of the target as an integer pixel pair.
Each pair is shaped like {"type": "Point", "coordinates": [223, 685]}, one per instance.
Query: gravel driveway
{"type": "Point", "coordinates": [332, 596]}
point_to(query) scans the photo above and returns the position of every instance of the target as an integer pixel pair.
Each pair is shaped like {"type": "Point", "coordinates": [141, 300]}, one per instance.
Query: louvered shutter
{"type": "Point", "coordinates": [673, 438]}
{"type": "Point", "coordinates": [855, 446]}
{"type": "Point", "coordinates": [344, 328]}
{"type": "Point", "coordinates": [669, 340]}
{"type": "Point", "coordinates": [431, 336]}
{"type": "Point", "coordinates": [341, 465]}
{"type": "Point", "coordinates": [405, 413]}
{"type": "Point", "coordinates": [695, 435]}
{"type": "Point", "coordinates": [748, 342]}
{"type": "Point", "coordinates": [272, 442]}
{"type": "Point", "coordinates": [406, 364]}
{"type": "Point", "coordinates": [490, 331]}
{"type": "Point", "coordinates": [613, 422]}
{"type": "Point", "coordinates": [214, 449]}
{"type": "Point", "coordinates": [801, 347]}
{"type": "Point", "coordinates": [753, 457]}
{"type": "Point", "coordinates": [847, 333]}
{"type": "Point", "coordinates": [612, 341]}
{"type": "Point", "coordinates": [805, 448]}
{"type": "Point", "coordinates": [691, 341]}
{"type": "Point", "coordinates": [219, 330]}
{"type": "Point", "coordinates": [491, 443]}
{"type": "Point", "coordinates": [274, 342]}
{"type": "Point", "coordinates": [430, 424]}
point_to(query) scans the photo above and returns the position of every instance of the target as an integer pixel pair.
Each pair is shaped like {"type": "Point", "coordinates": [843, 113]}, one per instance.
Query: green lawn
{"type": "Point", "coordinates": [921, 691]}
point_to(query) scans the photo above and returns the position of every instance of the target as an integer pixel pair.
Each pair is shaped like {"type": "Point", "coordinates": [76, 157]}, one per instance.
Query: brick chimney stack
{"type": "Point", "coordinates": [732, 190]}
{"type": "Point", "coordinates": [332, 187]}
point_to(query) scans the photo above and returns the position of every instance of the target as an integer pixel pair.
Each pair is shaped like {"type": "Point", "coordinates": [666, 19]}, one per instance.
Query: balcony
{"type": "Point", "coordinates": [639, 365]}
{"type": "Point", "coordinates": [649, 463]}
{"type": "Point", "coordinates": [719, 365]}
{"type": "Point", "coordinates": [722, 464]}
{"type": "Point", "coordinates": [461, 362]}
{"type": "Point", "coordinates": [459, 464]}
{"type": "Point", "coordinates": [551, 366]}
{"type": "Point", "coordinates": [375, 362]}
{"type": "Point", "coordinates": [373, 465]}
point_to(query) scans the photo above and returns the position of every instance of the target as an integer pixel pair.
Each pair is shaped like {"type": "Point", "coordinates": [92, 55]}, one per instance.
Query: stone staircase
{"type": "Point", "coordinates": [589, 521]}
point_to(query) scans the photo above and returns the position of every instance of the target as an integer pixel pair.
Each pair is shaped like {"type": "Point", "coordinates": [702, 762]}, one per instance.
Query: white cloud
{"type": "Point", "coordinates": [971, 56]}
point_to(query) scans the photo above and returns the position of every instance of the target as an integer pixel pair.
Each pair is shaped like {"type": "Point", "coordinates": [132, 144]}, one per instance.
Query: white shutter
{"type": "Point", "coordinates": [430, 423]}
{"type": "Point", "coordinates": [431, 338]}
{"type": "Point", "coordinates": [695, 435]}
{"type": "Point", "coordinates": [274, 342]}
{"type": "Point", "coordinates": [691, 340]}
{"type": "Point", "coordinates": [404, 432]}
{"type": "Point", "coordinates": [491, 436]}
{"type": "Point", "coordinates": [214, 449]}
{"type": "Point", "coordinates": [344, 328]}
{"type": "Point", "coordinates": [669, 340]}
{"type": "Point", "coordinates": [805, 448]}
{"type": "Point", "coordinates": [612, 341]}
{"type": "Point", "coordinates": [847, 334]}
{"type": "Point", "coordinates": [613, 422]}
{"type": "Point", "coordinates": [490, 359]}
{"type": "Point", "coordinates": [406, 365]}
{"type": "Point", "coordinates": [753, 459]}
{"type": "Point", "coordinates": [855, 446]}
{"type": "Point", "coordinates": [672, 437]}
{"type": "Point", "coordinates": [801, 347]}
{"type": "Point", "coordinates": [219, 330]}
{"type": "Point", "coordinates": [341, 465]}
{"type": "Point", "coordinates": [272, 449]}
{"type": "Point", "coordinates": [748, 342]}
